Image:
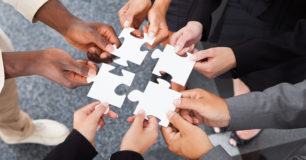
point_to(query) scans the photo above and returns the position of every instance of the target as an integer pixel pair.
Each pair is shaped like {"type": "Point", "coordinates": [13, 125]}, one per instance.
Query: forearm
{"type": "Point", "coordinates": [55, 15]}
{"type": "Point", "coordinates": [282, 106]}
{"type": "Point", "coordinates": [18, 64]}
{"type": "Point", "coordinates": [163, 5]}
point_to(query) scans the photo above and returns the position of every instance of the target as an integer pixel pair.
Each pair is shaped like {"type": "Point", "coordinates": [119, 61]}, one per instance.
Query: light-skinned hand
{"type": "Point", "coordinates": [198, 106]}
{"type": "Point", "coordinates": [141, 135]}
{"type": "Point", "coordinates": [214, 61]}
{"type": "Point", "coordinates": [89, 119]}
{"type": "Point", "coordinates": [185, 139]}
{"type": "Point", "coordinates": [187, 38]}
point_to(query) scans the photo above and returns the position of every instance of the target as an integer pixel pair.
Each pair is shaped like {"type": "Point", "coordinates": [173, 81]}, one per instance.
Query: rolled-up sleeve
{"type": "Point", "coordinates": [27, 8]}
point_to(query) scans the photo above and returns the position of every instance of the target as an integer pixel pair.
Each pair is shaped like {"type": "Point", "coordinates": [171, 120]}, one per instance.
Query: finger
{"type": "Point", "coordinates": [168, 134]}
{"type": "Point", "coordinates": [99, 41]}
{"type": "Point", "coordinates": [121, 15]}
{"type": "Point", "coordinates": [186, 115]}
{"type": "Point", "coordinates": [174, 38]}
{"type": "Point", "coordinates": [152, 123]}
{"type": "Point", "coordinates": [201, 55]}
{"type": "Point", "coordinates": [101, 124]}
{"type": "Point", "coordinates": [178, 122]}
{"type": "Point", "coordinates": [111, 114]}
{"type": "Point", "coordinates": [139, 119]}
{"type": "Point", "coordinates": [81, 69]}
{"type": "Point", "coordinates": [88, 108]}
{"type": "Point", "coordinates": [110, 35]}
{"type": "Point", "coordinates": [187, 103]}
{"type": "Point", "coordinates": [153, 28]}
{"type": "Point", "coordinates": [161, 36]}
{"type": "Point", "coordinates": [92, 66]}
{"type": "Point", "coordinates": [181, 42]}
{"type": "Point", "coordinates": [99, 111]}
{"type": "Point", "coordinates": [131, 119]}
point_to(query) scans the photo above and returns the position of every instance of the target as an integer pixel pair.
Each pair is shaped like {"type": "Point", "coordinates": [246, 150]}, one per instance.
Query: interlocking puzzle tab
{"type": "Point", "coordinates": [130, 49]}
{"type": "Point", "coordinates": [157, 100]}
{"type": "Point", "coordinates": [178, 67]}
{"type": "Point", "coordinates": [105, 84]}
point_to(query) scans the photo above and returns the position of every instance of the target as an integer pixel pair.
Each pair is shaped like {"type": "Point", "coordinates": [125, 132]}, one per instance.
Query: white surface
{"type": "Point", "coordinates": [157, 100]}
{"type": "Point", "coordinates": [178, 67]}
{"type": "Point", "coordinates": [130, 49]}
{"type": "Point", "coordinates": [105, 83]}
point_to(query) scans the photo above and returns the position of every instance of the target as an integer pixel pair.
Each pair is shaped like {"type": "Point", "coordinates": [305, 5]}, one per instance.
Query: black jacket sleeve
{"type": "Point", "coordinates": [282, 106]}
{"type": "Point", "coordinates": [75, 147]}
{"type": "Point", "coordinates": [217, 153]}
{"type": "Point", "coordinates": [126, 155]}
{"type": "Point", "coordinates": [201, 11]}
{"type": "Point", "coordinates": [258, 54]}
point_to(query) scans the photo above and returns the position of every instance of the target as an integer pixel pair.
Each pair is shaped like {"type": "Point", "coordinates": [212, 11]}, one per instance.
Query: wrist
{"type": "Point", "coordinates": [162, 5]}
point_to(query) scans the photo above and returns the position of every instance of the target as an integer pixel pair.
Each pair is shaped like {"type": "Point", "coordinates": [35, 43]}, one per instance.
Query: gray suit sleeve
{"type": "Point", "coordinates": [282, 106]}
{"type": "Point", "coordinates": [217, 153]}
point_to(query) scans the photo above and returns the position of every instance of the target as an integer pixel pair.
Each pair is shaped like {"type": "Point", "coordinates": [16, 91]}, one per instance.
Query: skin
{"type": "Point", "coordinates": [186, 38]}
{"type": "Point", "coordinates": [141, 135]}
{"type": "Point", "coordinates": [201, 107]}
{"type": "Point", "coordinates": [53, 64]}
{"type": "Point", "coordinates": [181, 141]}
{"type": "Point", "coordinates": [96, 39]}
{"type": "Point", "coordinates": [89, 119]}
{"type": "Point", "coordinates": [134, 12]}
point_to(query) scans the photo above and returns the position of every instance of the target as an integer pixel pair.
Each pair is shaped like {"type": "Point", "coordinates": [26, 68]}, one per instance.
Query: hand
{"type": "Point", "coordinates": [157, 26]}
{"type": "Point", "coordinates": [141, 135]}
{"type": "Point", "coordinates": [186, 38]}
{"type": "Point", "coordinates": [89, 119]}
{"type": "Point", "coordinates": [201, 107]}
{"type": "Point", "coordinates": [184, 138]}
{"type": "Point", "coordinates": [58, 66]}
{"type": "Point", "coordinates": [96, 39]}
{"type": "Point", "coordinates": [214, 61]}
{"type": "Point", "coordinates": [133, 13]}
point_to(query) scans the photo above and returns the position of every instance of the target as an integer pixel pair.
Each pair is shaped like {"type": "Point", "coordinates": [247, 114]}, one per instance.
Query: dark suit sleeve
{"type": "Point", "coordinates": [126, 155]}
{"type": "Point", "coordinates": [201, 11]}
{"type": "Point", "coordinates": [217, 153]}
{"type": "Point", "coordinates": [75, 147]}
{"type": "Point", "coordinates": [257, 54]}
{"type": "Point", "coordinates": [282, 106]}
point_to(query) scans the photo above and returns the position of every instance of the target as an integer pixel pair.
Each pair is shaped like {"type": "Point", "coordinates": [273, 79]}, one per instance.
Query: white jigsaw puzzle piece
{"type": "Point", "coordinates": [105, 83]}
{"type": "Point", "coordinates": [157, 100]}
{"type": "Point", "coordinates": [130, 49]}
{"type": "Point", "coordinates": [178, 67]}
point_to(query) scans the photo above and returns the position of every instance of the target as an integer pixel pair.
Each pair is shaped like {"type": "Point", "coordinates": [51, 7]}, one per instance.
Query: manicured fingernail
{"type": "Point", "coordinates": [99, 105]}
{"type": "Point", "coordinates": [177, 48]}
{"type": "Point", "coordinates": [151, 35]}
{"type": "Point", "coordinates": [98, 128]}
{"type": "Point", "coordinates": [91, 73]}
{"type": "Point", "coordinates": [193, 58]}
{"type": "Point", "coordinates": [177, 101]}
{"type": "Point", "coordinates": [170, 114]}
{"type": "Point", "coordinates": [109, 48]}
{"type": "Point", "coordinates": [126, 24]}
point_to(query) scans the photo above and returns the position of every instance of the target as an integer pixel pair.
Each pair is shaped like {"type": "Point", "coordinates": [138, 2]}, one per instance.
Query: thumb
{"type": "Point", "coordinates": [82, 69]}
{"type": "Point", "coordinates": [153, 28]}
{"type": "Point", "coordinates": [129, 19]}
{"type": "Point", "coordinates": [187, 103]}
{"type": "Point", "coordinates": [178, 122]}
{"type": "Point", "coordinates": [181, 42]}
{"type": "Point", "coordinates": [139, 119]}
{"type": "Point", "coordinates": [203, 54]}
{"type": "Point", "coordinates": [99, 111]}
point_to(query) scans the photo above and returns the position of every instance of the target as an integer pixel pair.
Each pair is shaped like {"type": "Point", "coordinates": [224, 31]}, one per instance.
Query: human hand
{"type": "Point", "coordinates": [58, 66]}
{"type": "Point", "coordinates": [201, 107]}
{"type": "Point", "coordinates": [141, 135]}
{"type": "Point", "coordinates": [96, 39]}
{"type": "Point", "coordinates": [214, 61]}
{"type": "Point", "coordinates": [186, 38]}
{"type": "Point", "coordinates": [185, 139]}
{"type": "Point", "coordinates": [89, 119]}
{"type": "Point", "coordinates": [157, 26]}
{"type": "Point", "coordinates": [133, 13]}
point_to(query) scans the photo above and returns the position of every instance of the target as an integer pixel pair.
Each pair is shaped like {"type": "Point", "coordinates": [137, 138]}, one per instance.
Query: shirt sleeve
{"type": "Point", "coordinates": [217, 153]}
{"type": "Point", "coordinates": [27, 8]}
{"type": "Point", "coordinates": [126, 155]}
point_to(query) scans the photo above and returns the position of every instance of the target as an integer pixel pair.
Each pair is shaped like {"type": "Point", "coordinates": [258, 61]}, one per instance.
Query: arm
{"type": "Point", "coordinates": [76, 146]}
{"type": "Point", "coordinates": [216, 153]}
{"type": "Point", "coordinates": [256, 54]}
{"type": "Point", "coordinates": [282, 106]}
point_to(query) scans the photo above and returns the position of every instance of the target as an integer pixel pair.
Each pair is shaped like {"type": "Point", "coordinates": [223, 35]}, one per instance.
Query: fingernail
{"type": "Point", "coordinates": [186, 49]}
{"type": "Point", "coordinates": [151, 34]}
{"type": "Point", "coordinates": [177, 101]}
{"type": "Point", "coordinates": [170, 114]}
{"type": "Point", "coordinates": [98, 128]}
{"type": "Point", "coordinates": [141, 111]}
{"type": "Point", "coordinates": [109, 48]}
{"type": "Point", "coordinates": [193, 58]}
{"type": "Point", "coordinates": [126, 24]}
{"type": "Point", "coordinates": [99, 105]}
{"type": "Point", "coordinates": [91, 73]}
{"type": "Point", "coordinates": [177, 48]}
{"type": "Point", "coordinates": [105, 104]}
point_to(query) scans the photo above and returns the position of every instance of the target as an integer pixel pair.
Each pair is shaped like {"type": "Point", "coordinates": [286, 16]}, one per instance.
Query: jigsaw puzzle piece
{"type": "Point", "coordinates": [178, 67]}
{"type": "Point", "coordinates": [157, 100]}
{"type": "Point", "coordinates": [105, 83]}
{"type": "Point", "coordinates": [130, 49]}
